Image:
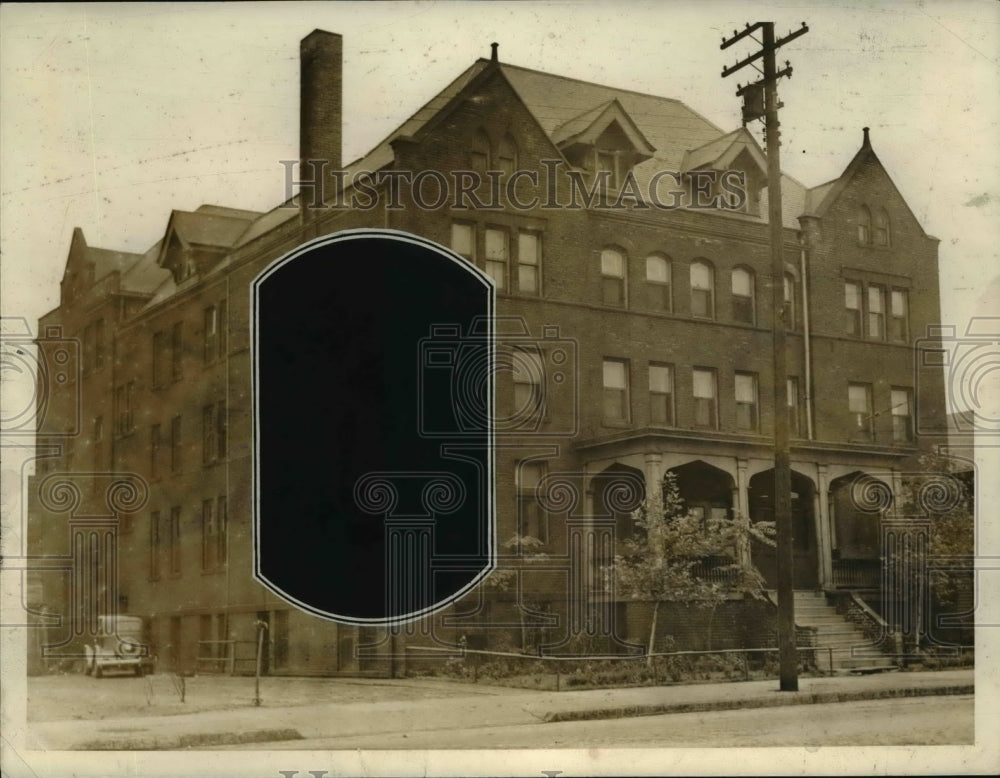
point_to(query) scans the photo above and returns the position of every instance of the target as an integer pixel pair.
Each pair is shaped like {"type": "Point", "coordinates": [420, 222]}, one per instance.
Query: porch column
{"type": "Point", "coordinates": [741, 504]}
{"type": "Point", "coordinates": [824, 530]}
{"type": "Point", "coordinates": [653, 472]}
{"type": "Point", "coordinates": [896, 483]}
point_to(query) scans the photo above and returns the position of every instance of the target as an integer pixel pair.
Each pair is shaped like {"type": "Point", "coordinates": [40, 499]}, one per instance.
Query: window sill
{"type": "Point", "coordinates": [616, 423]}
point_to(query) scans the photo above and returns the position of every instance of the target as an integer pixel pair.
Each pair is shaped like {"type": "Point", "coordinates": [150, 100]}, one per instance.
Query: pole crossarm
{"type": "Point", "coordinates": [738, 36]}
{"type": "Point", "coordinates": [764, 51]}
{"type": "Point", "coordinates": [786, 71]}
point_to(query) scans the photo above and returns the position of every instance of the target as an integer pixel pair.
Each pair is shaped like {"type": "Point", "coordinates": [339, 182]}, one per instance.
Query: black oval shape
{"type": "Point", "coordinates": [373, 494]}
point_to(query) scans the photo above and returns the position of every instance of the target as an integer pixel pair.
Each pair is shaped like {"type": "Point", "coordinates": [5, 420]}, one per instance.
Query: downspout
{"type": "Point", "coordinates": [806, 334]}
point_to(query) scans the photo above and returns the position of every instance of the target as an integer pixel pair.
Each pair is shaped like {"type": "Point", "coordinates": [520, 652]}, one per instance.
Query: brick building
{"type": "Point", "coordinates": [667, 311]}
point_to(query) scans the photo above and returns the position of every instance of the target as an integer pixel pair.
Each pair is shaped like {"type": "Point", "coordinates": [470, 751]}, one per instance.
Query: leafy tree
{"type": "Point", "coordinates": [675, 555]}
{"type": "Point", "coordinates": [939, 495]}
{"type": "Point", "coordinates": [507, 578]}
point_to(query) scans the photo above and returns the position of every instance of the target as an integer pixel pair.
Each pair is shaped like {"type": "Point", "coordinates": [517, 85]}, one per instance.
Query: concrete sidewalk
{"type": "Point", "coordinates": [482, 707]}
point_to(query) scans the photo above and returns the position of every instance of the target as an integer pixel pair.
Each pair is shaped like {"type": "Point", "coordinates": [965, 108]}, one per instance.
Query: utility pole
{"type": "Point", "coordinates": [760, 100]}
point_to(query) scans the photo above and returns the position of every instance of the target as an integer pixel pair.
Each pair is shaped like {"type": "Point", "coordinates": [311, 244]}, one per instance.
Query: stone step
{"type": "Point", "coordinates": [805, 618]}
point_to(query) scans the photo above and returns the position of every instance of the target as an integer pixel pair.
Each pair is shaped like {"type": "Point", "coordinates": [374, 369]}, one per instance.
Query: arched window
{"type": "Point", "coordinates": [479, 153]}
{"type": "Point", "coordinates": [743, 295]}
{"type": "Point", "coordinates": [881, 228]}
{"type": "Point", "coordinates": [864, 225]}
{"type": "Point", "coordinates": [613, 277]}
{"type": "Point", "coordinates": [702, 290]}
{"type": "Point", "coordinates": [658, 282]}
{"type": "Point", "coordinates": [507, 156]}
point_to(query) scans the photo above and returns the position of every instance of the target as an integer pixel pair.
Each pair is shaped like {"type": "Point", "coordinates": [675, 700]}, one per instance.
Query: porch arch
{"type": "Point", "coordinates": [705, 489]}
{"type": "Point", "coordinates": [760, 497]}
{"type": "Point", "coordinates": [857, 503]}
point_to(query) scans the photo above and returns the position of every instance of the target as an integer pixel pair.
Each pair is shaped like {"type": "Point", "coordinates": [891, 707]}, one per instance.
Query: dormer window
{"type": "Point", "coordinates": [727, 173]}
{"type": "Point", "coordinates": [607, 160]}
{"type": "Point", "coordinates": [604, 140]}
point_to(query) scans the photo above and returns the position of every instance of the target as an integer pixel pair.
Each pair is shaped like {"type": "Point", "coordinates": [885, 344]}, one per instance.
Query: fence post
{"type": "Point", "coordinates": [829, 650]}
{"type": "Point", "coordinates": [261, 626]}
{"type": "Point", "coordinates": [746, 666]}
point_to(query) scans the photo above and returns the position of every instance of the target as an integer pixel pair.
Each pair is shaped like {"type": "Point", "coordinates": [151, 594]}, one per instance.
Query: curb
{"type": "Point", "coordinates": [194, 740]}
{"type": "Point", "coordinates": [800, 698]}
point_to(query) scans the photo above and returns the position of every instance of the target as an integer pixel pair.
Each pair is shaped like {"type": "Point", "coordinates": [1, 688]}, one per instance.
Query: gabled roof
{"type": "Point", "coordinates": [564, 106]}
{"type": "Point", "coordinates": [587, 128]}
{"type": "Point", "coordinates": [820, 199]}
{"type": "Point", "coordinates": [211, 227]}
{"type": "Point", "coordinates": [720, 153]}
{"type": "Point", "coordinates": [104, 261]}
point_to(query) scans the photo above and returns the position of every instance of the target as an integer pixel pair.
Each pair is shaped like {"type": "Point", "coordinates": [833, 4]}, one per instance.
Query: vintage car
{"type": "Point", "coordinates": [118, 648]}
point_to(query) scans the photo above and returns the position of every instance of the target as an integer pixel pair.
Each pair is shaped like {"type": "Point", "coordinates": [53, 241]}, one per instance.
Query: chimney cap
{"type": "Point", "coordinates": [866, 141]}
{"type": "Point", "coordinates": [493, 55]}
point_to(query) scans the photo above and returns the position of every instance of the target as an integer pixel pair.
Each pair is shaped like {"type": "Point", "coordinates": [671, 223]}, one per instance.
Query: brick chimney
{"type": "Point", "coordinates": [320, 111]}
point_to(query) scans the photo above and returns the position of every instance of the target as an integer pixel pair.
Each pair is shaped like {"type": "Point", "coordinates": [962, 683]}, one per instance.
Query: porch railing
{"type": "Point", "coordinates": [857, 573]}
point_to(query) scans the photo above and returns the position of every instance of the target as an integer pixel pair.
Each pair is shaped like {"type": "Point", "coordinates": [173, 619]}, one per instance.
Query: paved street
{"type": "Point", "coordinates": [921, 721]}
{"type": "Point", "coordinates": [78, 713]}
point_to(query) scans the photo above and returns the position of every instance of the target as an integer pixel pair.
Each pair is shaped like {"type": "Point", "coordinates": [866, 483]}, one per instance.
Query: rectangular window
{"type": "Point", "coordinates": [702, 291]}
{"type": "Point", "coordinates": [154, 545]}
{"type": "Point", "coordinates": [223, 324]}
{"type": "Point", "coordinates": [533, 520]}
{"type": "Point", "coordinates": [527, 370]}
{"type": "Point", "coordinates": [704, 387]}
{"type": "Point", "coordinates": [174, 541]}
{"type": "Point", "coordinates": [497, 253]}
{"type": "Point", "coordinates": [175, 444]}
{"type": "Point", "coordinates": [876, 312]}
{"type": "Point", "coordinates": [124, 399]}
{"type": "Point", "coordinates": [154, 451]}
{"type": "Point", "coordinates": [793, 407]}
{"type": "Point", "coordinates": [616, 400]}
{"type": "Point", "coordinates": [789, 312]}
{"type": "Point", "coordinates": [208, 430]}
{"type": "Point", "coordinates": [211, 334]}
{"type": "Point", "coordinates": [529, 263]}
{"type": "Point", "coordinates": [222, 527]}
{"type": "Point", "coordinates": [743, 296]}
{"type": "Point", "coordinates": [463, 240]}
{"type": "Point", "coordinates": [852, 304]}
{"type": "Point", "coordinates": [612, 278]}
{"type": "Point", "coordinates": [209, 535]}
{"type": "Point", "coordinates": [98, 344]}
{"type": "Point", "coordinates": [661, 394]}
{"type": "Point", "coordinates": [859, 402]}
{"type": "Point", "coordinates": [658, 283]}
{"type": "Point", "coordinates": [900, 316]}
{"type": "Point", "coordinates": [176, 351]}
{"type": "Point", "coordinates": [902, 415]}
{"type": "Point", "coordinates": [746, 402]}
{"type": "Point", "coordinates": [221, 429]}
